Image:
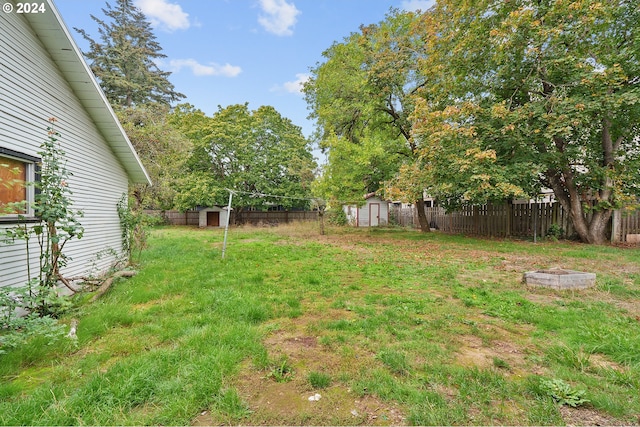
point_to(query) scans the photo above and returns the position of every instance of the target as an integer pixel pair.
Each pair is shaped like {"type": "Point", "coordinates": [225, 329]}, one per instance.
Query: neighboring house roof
{"type": "Point", "coordinates": [54, 35]}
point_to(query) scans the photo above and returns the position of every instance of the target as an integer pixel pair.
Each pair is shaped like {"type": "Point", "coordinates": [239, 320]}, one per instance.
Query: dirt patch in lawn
{"type": "Point", "coordinates": [501, 354]}
{"type": "Point", "coordinates": [295, 401]}
{"type": "Point", "coordinates": [587, 417]}
{"type": "Point", "coordinates": [292, 403]}
{"type": "Point", "coordinates": [273, 403]}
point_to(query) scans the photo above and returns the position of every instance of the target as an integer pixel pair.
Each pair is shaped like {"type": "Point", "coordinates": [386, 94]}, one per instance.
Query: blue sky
{"type": "Point", "coordinates": [224, 52]}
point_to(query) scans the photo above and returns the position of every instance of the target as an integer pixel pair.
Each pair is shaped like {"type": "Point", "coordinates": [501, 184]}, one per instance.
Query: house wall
{"type": "Point", "coordinates": [32, 89]}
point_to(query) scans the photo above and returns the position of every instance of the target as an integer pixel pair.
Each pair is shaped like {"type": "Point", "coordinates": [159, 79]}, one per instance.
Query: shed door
{"type": "Point", "coordinates": [213, 219]}
{"type": "Point", "coordinates": [374, 214]}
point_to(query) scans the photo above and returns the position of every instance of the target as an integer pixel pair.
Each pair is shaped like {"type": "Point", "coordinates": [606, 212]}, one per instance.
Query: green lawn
{"type": "Point", "coordinates": [386, 326]}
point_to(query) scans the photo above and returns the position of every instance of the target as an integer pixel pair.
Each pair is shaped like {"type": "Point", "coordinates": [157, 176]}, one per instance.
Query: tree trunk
{"type": "Point", "coordinates": [422, 216]}
{"type": "Point", "coordinates": [598, 227]}
{"type": "Point", "coordinates": [592, 230]}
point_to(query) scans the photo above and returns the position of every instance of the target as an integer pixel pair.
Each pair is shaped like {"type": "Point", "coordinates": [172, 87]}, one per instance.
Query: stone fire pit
{"type": "Point", "coordinates": [558, 278]}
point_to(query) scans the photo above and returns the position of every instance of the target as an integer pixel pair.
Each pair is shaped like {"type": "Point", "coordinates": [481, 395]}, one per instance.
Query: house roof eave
{"type": "Point", "coordinates": [54, 35]}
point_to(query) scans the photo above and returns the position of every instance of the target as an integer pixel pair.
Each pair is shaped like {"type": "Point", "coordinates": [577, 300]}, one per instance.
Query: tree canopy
{"type": "Point", "coordinates": [254, 153]}
{"type": "Point", "coordinates": [124, 58]}
{"type": "Point", "coordinates": [361, 97]}
{"type": "Point", "coordinates": [494, 100]}
{"type": "Point", "coordinates": [536, 94]}
{"type": "Point", "coordinates": [163, 150]}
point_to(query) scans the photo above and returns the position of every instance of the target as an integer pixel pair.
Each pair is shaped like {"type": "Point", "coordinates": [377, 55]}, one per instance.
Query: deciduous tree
{"type": "Point", "coordinates": [532, 94]}
{"type": "Point", "coordinates": [255, 153]}
{"type": "Point", "coordinates": [362, 95]}
{"type": "Point", "coordinates": [163, 150]}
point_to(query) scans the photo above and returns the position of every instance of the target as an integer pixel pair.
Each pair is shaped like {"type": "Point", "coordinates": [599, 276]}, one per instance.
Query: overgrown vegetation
{"type": "Point", "coordinates": [394, 327]}
{"type": "Point", "coordinates": [134, 233]}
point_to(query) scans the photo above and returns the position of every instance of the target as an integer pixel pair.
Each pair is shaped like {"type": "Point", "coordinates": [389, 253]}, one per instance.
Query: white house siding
{"type": "Point", "coordinates": [32, 89]}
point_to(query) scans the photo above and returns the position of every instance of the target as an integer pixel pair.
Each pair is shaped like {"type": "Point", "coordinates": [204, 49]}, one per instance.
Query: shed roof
{"type": "Point", "coordinates": [52, 32]}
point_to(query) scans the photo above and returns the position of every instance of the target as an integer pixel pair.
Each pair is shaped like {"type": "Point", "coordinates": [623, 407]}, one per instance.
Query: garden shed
{"type": "Point", "coordinates": [373, 213]}
{"type": "Point", "coordinates": [43, 75]}
{"type": "Point", "coordinates": [215, 216]}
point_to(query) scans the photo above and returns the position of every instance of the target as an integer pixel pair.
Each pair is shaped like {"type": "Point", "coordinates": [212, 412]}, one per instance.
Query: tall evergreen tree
{"type": "Point", "coordinates": [123, 59]}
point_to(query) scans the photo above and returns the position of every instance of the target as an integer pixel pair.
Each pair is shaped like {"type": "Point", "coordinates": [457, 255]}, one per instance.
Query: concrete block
{"type": "Point", "coordinates": [558, 278]}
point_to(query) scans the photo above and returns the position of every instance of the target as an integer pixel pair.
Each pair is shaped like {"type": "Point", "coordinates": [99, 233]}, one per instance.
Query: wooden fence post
{"type": "Point", "coordinates": [476, 219]}
{"type": "Point", "coordinates": [509, 218]}
{"type": "Point", "coordinates": [615, 226]}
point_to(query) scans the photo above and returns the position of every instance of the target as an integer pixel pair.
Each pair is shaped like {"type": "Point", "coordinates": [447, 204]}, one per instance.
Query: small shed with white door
{"type": "Point", "coordinates": [374, 212]}
{"type": "Point", "coordinates": [215, 216]}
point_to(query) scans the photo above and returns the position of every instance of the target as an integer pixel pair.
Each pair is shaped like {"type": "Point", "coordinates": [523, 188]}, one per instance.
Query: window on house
{"type": "Point", "coordinates": [17, 172]}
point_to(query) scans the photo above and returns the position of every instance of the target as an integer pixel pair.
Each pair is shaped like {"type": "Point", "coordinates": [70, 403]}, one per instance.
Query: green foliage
{"type": "Point", "coordinates": [125, 58]}
{"type": "Point", "coordinates": [477, 102]}
{"type": "Point", "coordinates": [252, 152]}
{"type": "Point", "coordinates": [361, 98]}
{"type": "Point", "coordinates": [282, 371]}
{"type": "Point", "coordinates": [53, 207]}
{"type": "Point", "coordinates": [19, 330]}
{"type": "Point", "coordinates": [562, 392]}
{"type": "Point", "coordinates": [353, 170]}
{"type": "Point", "coordinates": [231, 406]}
{"type": "Point", "coordinates": [134, 233]}
{"type": "Point", "coordinates": [533, 95]}
{"type": "Point", "coordinates": [336, 216]}
{"type": "Point", "coordinates": [555, 231]}
{"type": "Point", "coordinates": [396, 361]}
{"type": "Point", "coordinates": [500, 363]}
{"type": "Point", "coordinates": [163, 150]}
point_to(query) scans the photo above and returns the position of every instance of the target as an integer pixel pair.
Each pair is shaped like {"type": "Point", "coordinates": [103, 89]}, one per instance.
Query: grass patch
{"type": "Point", "coordinates": [426, 328]}
{"type": "Point", "coordinates": [319, 380]}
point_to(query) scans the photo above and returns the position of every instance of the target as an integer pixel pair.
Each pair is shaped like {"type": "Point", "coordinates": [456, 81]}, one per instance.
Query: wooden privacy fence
{"type": "Point", "coordinates": [626, 227]}
{"type": "Point", "coordinates": [242, 217]}
{"type": "Point", "coordinates": [517, 220]}
{"type": "Point", "coordinates": [176, 217]}
{"type": "Point", "coordinates": [272, 217]}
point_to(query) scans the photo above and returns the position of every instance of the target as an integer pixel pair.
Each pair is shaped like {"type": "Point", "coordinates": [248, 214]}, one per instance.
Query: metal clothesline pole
{"type": "Point", "coordinates": [226, 227]}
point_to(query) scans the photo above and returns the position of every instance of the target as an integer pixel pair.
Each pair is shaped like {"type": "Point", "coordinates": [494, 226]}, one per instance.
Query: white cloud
{"type": "Point", "coordinates": [293, 86]}
{"type": "Point", "coordinates": [278, 16]}
{"type": "Point", "coordinates": [164, 15]}
{"type": "Point", "coordinates": [415, 5]}
{"type": "Point", "coordinates": [198, 69]}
